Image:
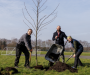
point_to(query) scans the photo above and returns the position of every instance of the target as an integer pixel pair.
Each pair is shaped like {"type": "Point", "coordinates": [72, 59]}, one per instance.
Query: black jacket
{"type": "Point", "coordinates": [61, 37]}
{"type": "Point", "coordinates": [25, 40]}
{"type": "Point", "coordinates": [77, 46]}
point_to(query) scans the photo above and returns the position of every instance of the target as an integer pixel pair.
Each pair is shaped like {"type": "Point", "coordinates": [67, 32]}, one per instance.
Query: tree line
{"type": "Point", "coordinates": [41, 45]}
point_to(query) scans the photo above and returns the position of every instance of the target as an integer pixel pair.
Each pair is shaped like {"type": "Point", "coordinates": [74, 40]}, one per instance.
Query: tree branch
{"type": "Point", "coordinates": [49, 15]}
{"type": "Point", "coordinates": [50, 20]}
{"type": "Point", "coordinates": [34, 3]}
{"type": "Point", "coordinates": [40, 1]}
{"type": "Point", "coordinates": [42, 10]}
{"type": "Point", "coordinates": [40, 30]}
{"type": "Point", "coordinates": [26, 24]}
{"type": "Point", "coordinates": [34, 11]}
{"type": "Point", "coordinates": [28, 20]}
{"type": "Point", "coordinates": [42, 4]}
{"type": "Point", "coordinates": [39, 35]}
{"type": "Point", "coordinates": [41, 19]}
{"type": "Point", "coordinates": [47, 23]}
{"type": "Point", "coordinates": [29, 27]}
{"type": "Point", "coordinates": [29, 15]}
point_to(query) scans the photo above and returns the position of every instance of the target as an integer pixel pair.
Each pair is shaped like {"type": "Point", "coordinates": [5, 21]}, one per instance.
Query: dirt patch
{"type": "Point", "coordinates": [59, 66]}
{"type": "Point", "coordinates": [39, 67]}
{"type": "Point", "coordinates": [11, 69]}
{"type": "Point", "coordinates": [8, 71]}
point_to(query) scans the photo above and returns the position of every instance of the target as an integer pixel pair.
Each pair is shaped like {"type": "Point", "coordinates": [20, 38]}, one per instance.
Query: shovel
{"type": "Point", "coordinates": [70, 57]}
{"type": "Point", "coordinates": [30, 58]}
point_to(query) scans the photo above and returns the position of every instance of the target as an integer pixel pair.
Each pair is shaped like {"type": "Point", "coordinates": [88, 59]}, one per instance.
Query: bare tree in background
{"type": "Point", "coordinates": [41, 22]}
{"type": "Point", "coordinates": [39, 42]}
{"type": "Point", "coordinates": [49, 43]}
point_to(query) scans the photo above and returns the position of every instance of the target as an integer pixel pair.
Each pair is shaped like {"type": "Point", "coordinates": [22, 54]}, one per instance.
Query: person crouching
{"type": "Point", "coordinates": [78, 50]}
{"type": "Point", "coordinates": [24, 45]}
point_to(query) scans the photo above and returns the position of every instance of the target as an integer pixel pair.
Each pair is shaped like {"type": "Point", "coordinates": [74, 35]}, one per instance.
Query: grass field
{"type": "Point", "coordinates": [69, 53]}
{"type": "Point", "coordinates": [8, 61]}
{"type": "Point", "coordinates": [44, 52]}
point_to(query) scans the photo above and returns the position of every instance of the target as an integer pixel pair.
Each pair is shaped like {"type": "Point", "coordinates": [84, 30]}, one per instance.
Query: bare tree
{"type": "Point", "coordinates": [40, 23]}
{"type": "Point", "coordinates": [49, 43]}
{"type": "Point", "coordinates": [39, 42]}
{"type": "Point", "coordinates": [43, 44]}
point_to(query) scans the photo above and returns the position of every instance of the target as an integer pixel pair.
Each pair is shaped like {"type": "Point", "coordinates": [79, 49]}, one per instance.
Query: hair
{"type": "Point", "coordinates": [30, 29]}
{"type": "Point", "coordinates": [59, 25]}
{"type": "Point", "coordinates": [69, 37]}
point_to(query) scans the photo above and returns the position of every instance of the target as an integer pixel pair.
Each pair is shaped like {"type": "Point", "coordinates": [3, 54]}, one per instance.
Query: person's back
{"type": "Point", "coordinates": [77, 45]}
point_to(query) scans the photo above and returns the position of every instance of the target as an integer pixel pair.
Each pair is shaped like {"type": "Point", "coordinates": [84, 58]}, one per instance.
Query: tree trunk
{"type": "Point", "coordinates": [36, 36]}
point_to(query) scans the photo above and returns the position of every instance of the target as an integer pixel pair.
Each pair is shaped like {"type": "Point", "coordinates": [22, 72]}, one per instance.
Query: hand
{"type": "Point", "coordinates": [56, 37]}
{"type": "Point", "coordinates": [74, 55]}
{"type": "Point", "coordinates": [31, 50]}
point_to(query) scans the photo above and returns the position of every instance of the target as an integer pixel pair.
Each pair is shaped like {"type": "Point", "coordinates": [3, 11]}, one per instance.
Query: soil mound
{"type": "Point", "coordinates": [8, 71]}
{"type": "Point", "coordinates": [11, 68]}
{"type": "Point", "coordinates": [59, 66]}
{"type": "Point", "coordinates": [38, 67]}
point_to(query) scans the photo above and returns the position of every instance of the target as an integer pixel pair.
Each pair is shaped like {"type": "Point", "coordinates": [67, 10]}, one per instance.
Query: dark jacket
{"type": "Point", "coordinates": [60, 39]}
{"type": "Point", "coordinates": [26, 41]}
{"type": "Point", "coordinates": [77, 45]}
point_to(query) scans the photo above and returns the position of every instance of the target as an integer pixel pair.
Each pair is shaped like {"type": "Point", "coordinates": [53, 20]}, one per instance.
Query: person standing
{"type": "Point", "coordinates": [78, 50]}
{"type": "Point", "coordinates": [58, 37]}
{"type": "Point", "coordinates": [24, 45]}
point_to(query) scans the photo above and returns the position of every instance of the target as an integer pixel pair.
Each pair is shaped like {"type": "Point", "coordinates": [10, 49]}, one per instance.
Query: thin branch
{"type": "Point", "coordinates": [25, 23]}
{"type": "Point", "coordinates": [41, 19]}
{"type": "Point", "coordinates": [39, 35]}
{"type": "Point", "coordinates": [47, 23]}
{"type": "Point", "coordinates": [40, 1]}
{"type": "Point", "coordinates": [49, 15]}
{"type": "Point", "coordinates": [33, 43]}
{"type": "Point", "coordinates": [34, 11]}
{"type": "Point", "coordinates": [34, 34]}
{"type": "Point", "coordinates": [40, 30]}
{"type": "Point", "coordinates": [29, 15]}
{"type": "Point", "coordinates": [42, 4]}
{"type": "Point", "coordinates": [50, 20]}
{"type": "Point", "coordinates": [28, 26]}
{"type": "Point", "coordinates": [34, 3]}
{"type": "Point", "coordinates": [43, 9]}
{"type": "Point", "coordinates": [28, 20]}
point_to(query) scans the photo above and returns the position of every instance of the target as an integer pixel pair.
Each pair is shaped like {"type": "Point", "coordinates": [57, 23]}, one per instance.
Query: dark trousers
{"type": "Point", "coordinates": [19, 50]}
{"type": "Point", "coordinates": [77, 60]}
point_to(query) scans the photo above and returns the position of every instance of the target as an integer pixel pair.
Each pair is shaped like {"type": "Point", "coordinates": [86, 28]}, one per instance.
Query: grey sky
{"type": "Point", "coordinates": [73, 17]}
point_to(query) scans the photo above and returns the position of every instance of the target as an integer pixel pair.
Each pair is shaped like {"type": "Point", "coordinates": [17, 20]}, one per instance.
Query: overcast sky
{"type": "Point", "coordinates": [72, 15]}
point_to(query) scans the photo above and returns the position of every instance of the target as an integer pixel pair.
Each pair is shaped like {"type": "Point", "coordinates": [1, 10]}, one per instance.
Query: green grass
{"type": "Point", "coordinates": [44, 52]}
{"type": "Point", "coordinates": [83, 54]}
{"type": "Point", "coordinates": [8, 61]}
{"type": "Point", "coordinates": [69, 53]}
